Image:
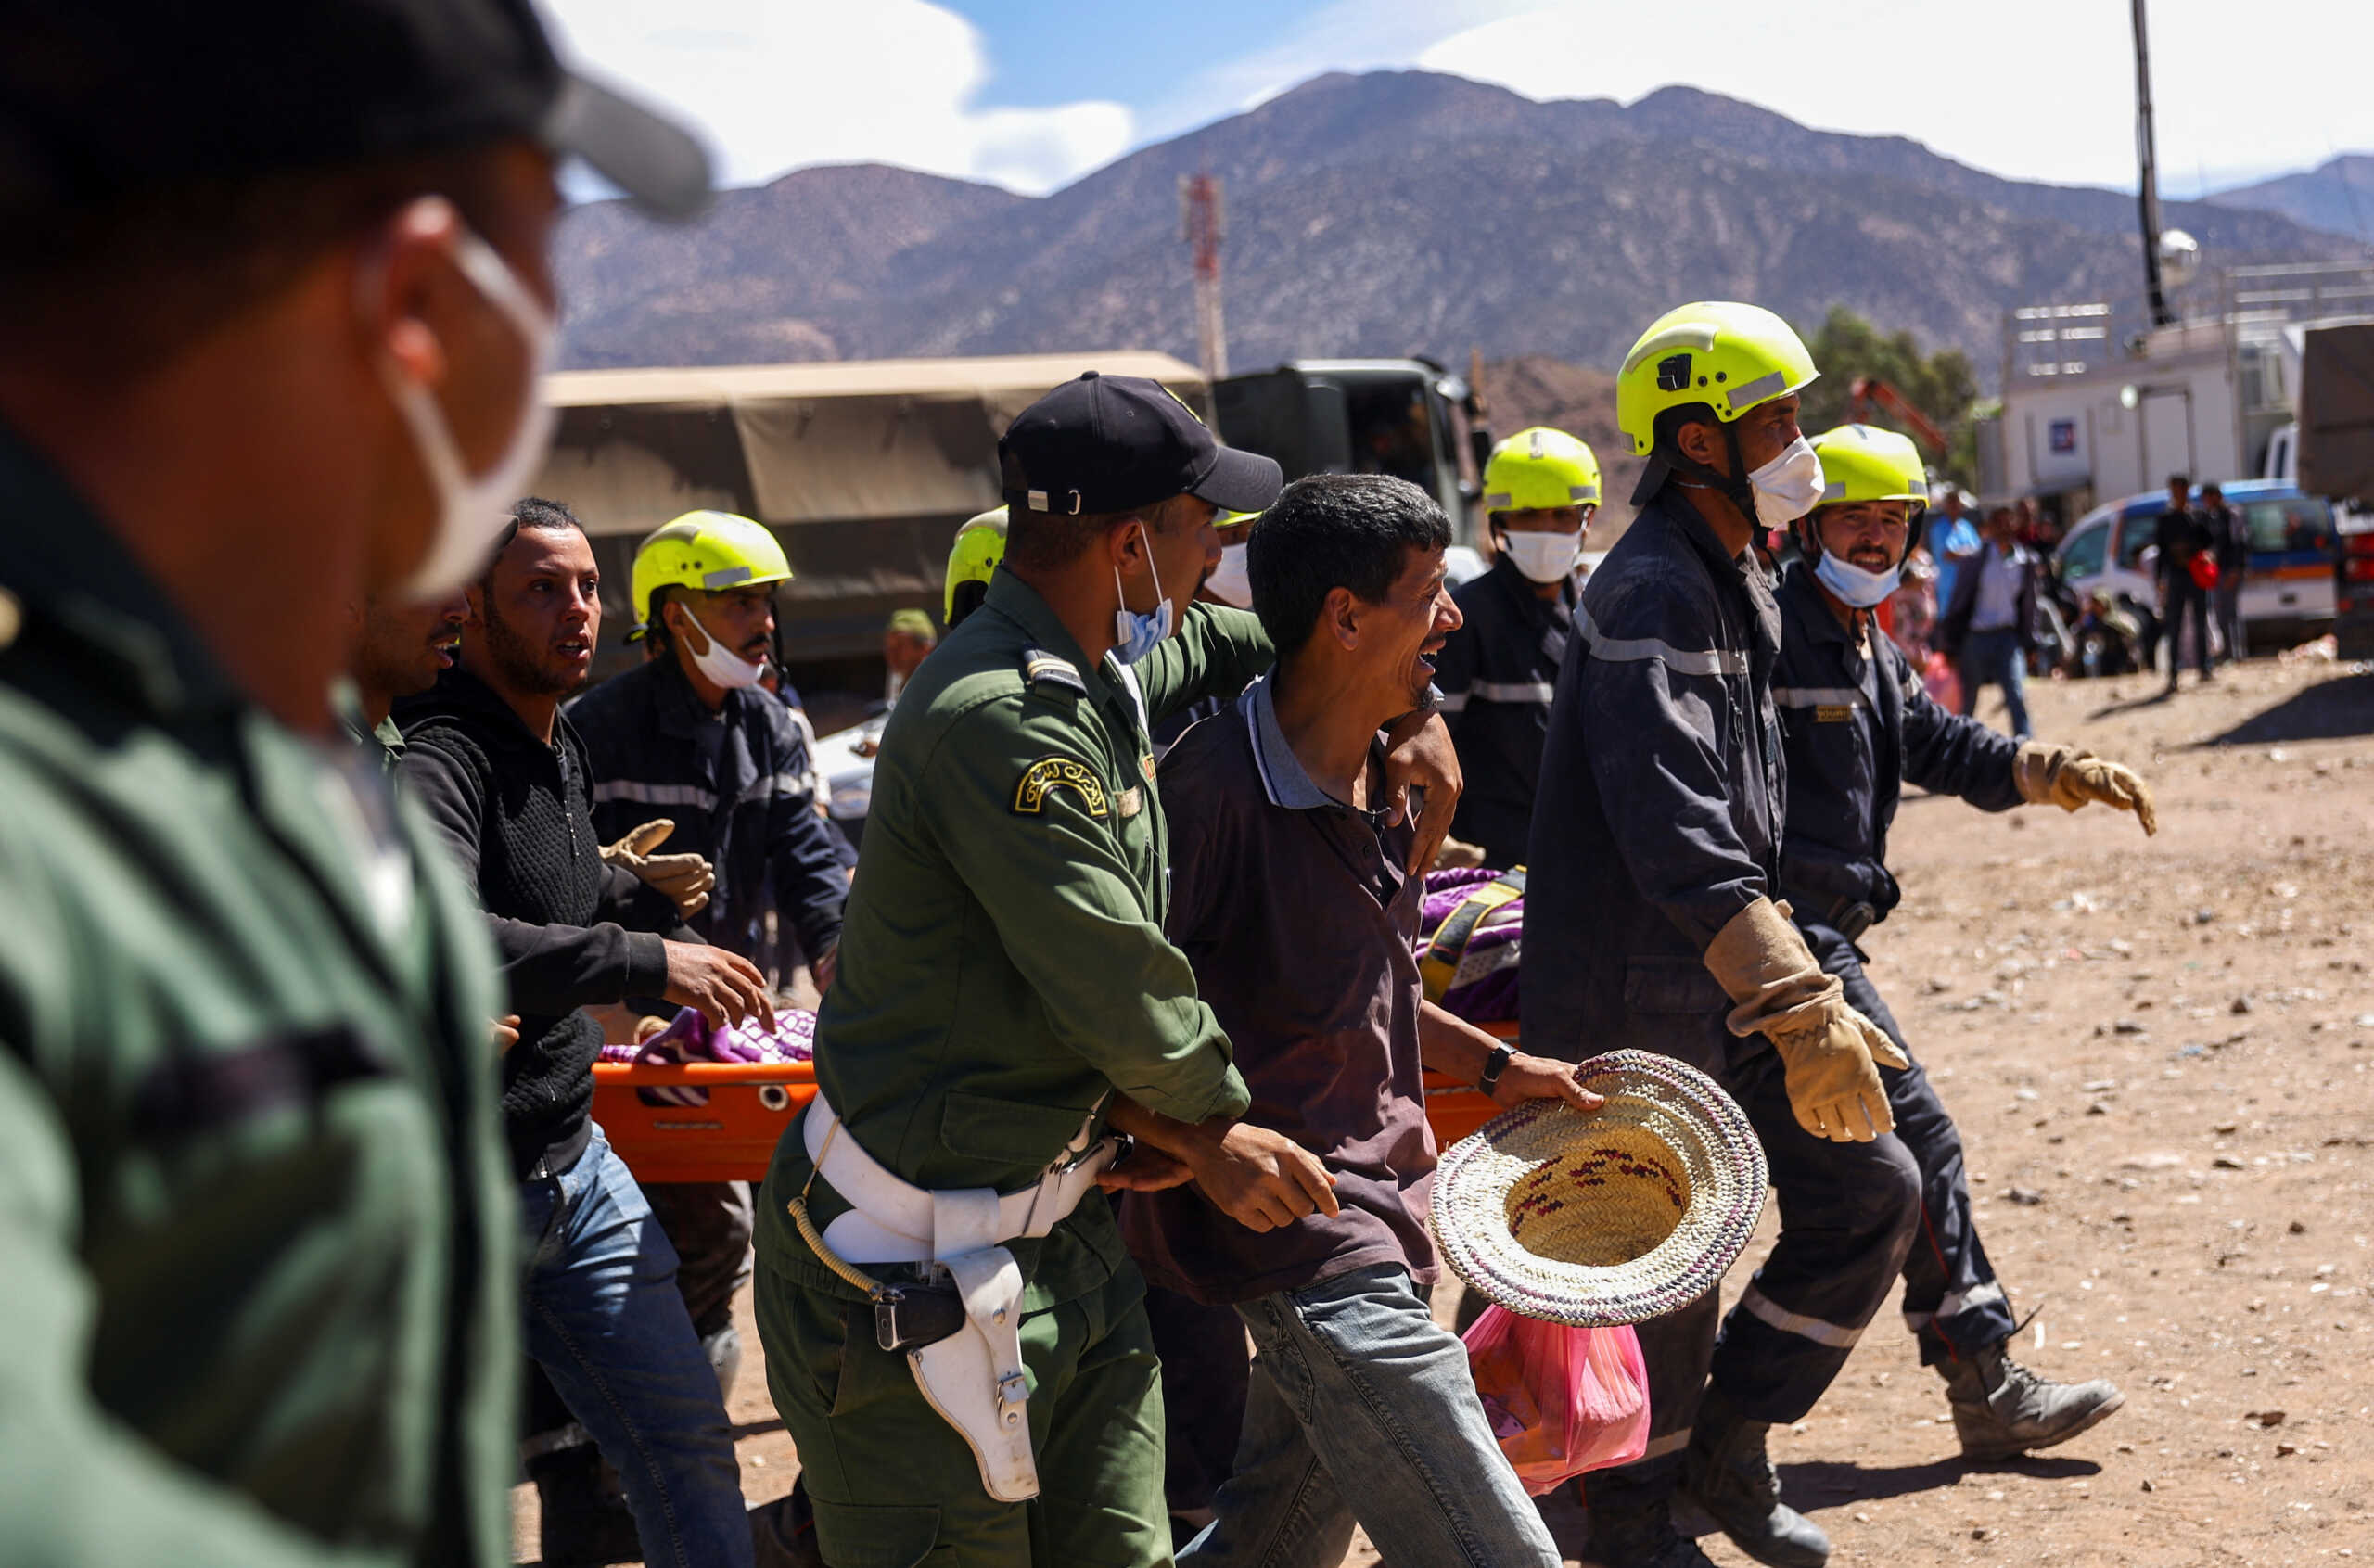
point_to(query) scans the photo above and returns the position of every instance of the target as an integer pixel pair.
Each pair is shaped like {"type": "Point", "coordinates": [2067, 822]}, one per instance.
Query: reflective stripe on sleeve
{"type": "Point", "coordinates": [774, 784]}
{"type": "Point", "coordinates": [1710, 661]}
{"type": "Point", "coordinates": [1453, 702]}
{"type": "Point", "coordinates": [1758, 1304]}
{"type": "Point", "coordinates": [1515, 691]}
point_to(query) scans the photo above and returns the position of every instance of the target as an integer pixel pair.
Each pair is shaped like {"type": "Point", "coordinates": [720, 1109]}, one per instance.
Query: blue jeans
{"type": "Point", "coordinates": [1998, 658]}
{"type": "Point", "coordinates": [607, 1326]}
{"type": "Point", "coordinates": [1362, 1411]}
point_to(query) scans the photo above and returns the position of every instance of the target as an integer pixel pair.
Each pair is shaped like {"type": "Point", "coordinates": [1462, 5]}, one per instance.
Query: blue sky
{"type": "Point", "coordinates": [1033, 95]}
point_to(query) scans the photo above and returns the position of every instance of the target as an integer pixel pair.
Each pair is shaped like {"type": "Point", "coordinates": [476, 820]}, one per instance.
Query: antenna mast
{"type": "Point", "coordinates": [1203, 224]}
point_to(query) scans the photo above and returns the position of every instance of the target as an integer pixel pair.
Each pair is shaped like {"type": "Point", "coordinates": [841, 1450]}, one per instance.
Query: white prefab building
{"type": "Point", "coordinates": [2082, 424]}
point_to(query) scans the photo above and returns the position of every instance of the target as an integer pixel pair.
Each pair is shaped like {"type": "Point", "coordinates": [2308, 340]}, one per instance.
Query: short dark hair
{"type": "Point", "coordinates": [2180, 482]}
{"type": "Point", "coordinates": [1331, 532]}
{"type": "Point", "coordinates": [119, 288]}
{"type": "Point", "coordinates": [530, 514]}
{"type": "Point", "coordinates": [2212, 489]}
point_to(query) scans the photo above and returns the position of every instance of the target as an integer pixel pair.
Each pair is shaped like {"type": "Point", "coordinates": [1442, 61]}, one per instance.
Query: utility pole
{"type": "Point", "coordinates": [2148, 195]}
{"type": "Point", "coordinates": [1203, 224]}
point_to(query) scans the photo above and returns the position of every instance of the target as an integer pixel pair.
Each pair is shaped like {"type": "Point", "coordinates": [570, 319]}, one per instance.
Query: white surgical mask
{"type": "Point", "coordinates": [1135, 634]}
{"type": "Point", "coordinates": [721, 665]}
{"type": "Point", "coordinates": [1863, 590]}
{"type": "Point", "coordinates": [1229, 583]}
{"type": "Point", "coordinates": [1542, 557]}
{"type": "Point", "coordinates": [473, 508]}
{"type": "Point", "coordinates": [1788, 487]}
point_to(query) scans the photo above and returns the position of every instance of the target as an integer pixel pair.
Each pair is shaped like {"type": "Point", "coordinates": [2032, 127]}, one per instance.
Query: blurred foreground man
{"type": "Point", "coordinates": [1651, 919]}
{"type": "Point", "coordinates": [1500, 668]}
{"type": "Point", "coordinates": [953, 1336]}
{"type": "Point", "coordinates": [1857, 725]}
{"type": "Point", "coordinates": [274, 281]}
{"type": "Point", "coordinates": [1295, 904]}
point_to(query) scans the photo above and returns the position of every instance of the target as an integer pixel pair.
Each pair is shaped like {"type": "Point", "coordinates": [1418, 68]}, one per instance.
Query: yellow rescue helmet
{"type": "Point", "coordinates": [1728, 356]}
{"type": "Point", "coordinates": [709, 551]}
{"type": "Point", "coordinates": [980, 545]}
{"type": "Point", "coordinates": [1539, 470]}
{"type": "Point", "coordinates": [1865, 463]}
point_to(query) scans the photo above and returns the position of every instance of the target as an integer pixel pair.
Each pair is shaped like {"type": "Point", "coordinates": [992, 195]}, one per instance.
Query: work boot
{"type": "Point", "coordinates": [2001, 1409]}
{"type": "Point", "coordinates": [1639, 1537]}
{"type": "Point", "coordinates": [1726, 1472]}
{"type": "Point", "coordinates": [584, 1524]}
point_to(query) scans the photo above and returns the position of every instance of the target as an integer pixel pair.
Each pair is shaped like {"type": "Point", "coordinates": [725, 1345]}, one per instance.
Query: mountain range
{"type": "Point", "coordinates": [2338, 195]}
{"type": "Point", "coordinates": [1391, 213]}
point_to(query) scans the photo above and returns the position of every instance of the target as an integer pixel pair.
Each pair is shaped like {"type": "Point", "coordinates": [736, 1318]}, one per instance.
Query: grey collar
{"type": "Point", "coordinates": [1284, 778]}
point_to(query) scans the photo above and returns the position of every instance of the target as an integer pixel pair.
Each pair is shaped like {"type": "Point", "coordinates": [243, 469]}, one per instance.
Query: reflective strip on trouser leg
{"type": "Point", "coordinates": [1847, 1213]}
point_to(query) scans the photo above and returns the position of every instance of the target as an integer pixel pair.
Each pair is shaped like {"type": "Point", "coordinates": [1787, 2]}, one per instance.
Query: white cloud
{"type": "Point", "coordinates": [2033, 89]}
{"type": "Point", "coordinates": [778, 84]}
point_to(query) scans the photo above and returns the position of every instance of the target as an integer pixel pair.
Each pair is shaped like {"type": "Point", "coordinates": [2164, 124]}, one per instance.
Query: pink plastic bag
{"type": "Point", "coordinates": [1561, 1400]}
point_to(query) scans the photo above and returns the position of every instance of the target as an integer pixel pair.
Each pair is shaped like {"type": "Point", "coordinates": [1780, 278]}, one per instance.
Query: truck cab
{"type": "Point", "coordinates": [1402, 417]}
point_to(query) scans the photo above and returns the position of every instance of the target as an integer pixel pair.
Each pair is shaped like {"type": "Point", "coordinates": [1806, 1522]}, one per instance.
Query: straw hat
{"type": "Point", "coordinates": [1609, 1218]}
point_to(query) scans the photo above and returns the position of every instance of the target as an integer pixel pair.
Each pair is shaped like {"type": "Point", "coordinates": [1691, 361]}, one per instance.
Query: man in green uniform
{"type": "Point", "coordinates": [1003, 973]}
{"type": "Point", "coordinates": [258, 1304]}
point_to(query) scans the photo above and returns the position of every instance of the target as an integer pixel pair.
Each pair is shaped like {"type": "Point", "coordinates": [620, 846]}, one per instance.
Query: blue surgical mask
{"type": "Point", "coordinates": [1861, 588]}
{"type": "Point", "coordinates": [1135, 635]}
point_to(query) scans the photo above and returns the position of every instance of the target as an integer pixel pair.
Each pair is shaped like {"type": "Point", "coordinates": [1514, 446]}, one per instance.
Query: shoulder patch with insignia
{"type": "Point", "coordinates": [1044, 672]}
{"type": "Point", "coordinates": [1051, 773]}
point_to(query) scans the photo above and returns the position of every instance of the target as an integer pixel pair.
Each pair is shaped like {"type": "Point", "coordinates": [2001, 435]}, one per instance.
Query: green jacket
{"type": "Point", "coordinates": [1003, 966]}
{"type": "Point", "coordinates": [258, 1248]}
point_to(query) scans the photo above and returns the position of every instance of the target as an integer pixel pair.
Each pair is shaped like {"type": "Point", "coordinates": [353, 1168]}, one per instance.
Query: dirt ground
{"type": "Point", "coordinates": [2158, 1051]}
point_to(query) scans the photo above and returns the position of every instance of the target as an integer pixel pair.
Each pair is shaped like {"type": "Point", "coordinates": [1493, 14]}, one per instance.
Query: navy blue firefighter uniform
{"type": "Point", "coordinates": [1658, 822]}
{"type": "Point", "coordinates": [736, 784]}
{"type": "Point", "coordinates": [1497, 674]}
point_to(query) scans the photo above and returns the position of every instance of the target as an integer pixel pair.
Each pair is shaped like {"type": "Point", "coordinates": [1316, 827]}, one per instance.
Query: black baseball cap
{"type": "Point", "coordinates": [104, 99]}
{"type": "Point", "coordinates": [1115, 443]}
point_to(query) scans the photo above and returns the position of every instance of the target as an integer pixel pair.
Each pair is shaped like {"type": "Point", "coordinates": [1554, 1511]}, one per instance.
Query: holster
{"type": "Point", "coordinates": [975, 1377]}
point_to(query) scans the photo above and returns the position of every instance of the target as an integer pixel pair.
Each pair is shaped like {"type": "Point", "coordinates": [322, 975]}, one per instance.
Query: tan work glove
{"type": "Point", "coordinates": [1827, 1048]}
{"type": "Point", "coordinates": [2069, 776]}
{"type": "Point", "coordinates": [685, 878]}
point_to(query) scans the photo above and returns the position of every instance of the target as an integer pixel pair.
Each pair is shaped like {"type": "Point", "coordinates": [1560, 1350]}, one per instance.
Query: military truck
{"type": "Point", "coordinates": [864, 469]}
{"type": "Point", "coordinates": [1410, 418]}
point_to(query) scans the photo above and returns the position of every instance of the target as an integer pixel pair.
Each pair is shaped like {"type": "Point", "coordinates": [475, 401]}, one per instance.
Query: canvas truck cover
{"type": "Point", "coordinates": [2337, 413]}
{"type": "Point", "coordinates": [863, 468]}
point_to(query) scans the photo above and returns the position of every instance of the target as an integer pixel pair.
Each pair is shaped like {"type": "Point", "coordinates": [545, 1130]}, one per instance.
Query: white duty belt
{"type": "Point", "coordinates": [975, 1377]}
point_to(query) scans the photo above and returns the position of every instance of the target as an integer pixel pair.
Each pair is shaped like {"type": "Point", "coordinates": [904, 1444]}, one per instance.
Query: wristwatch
{"type": "Point", "coordinates": [1493, 1065]}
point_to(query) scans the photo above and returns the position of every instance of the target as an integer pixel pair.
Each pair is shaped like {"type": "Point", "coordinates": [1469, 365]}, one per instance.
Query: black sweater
{"type": "Point", "coordinates": [570, 931]}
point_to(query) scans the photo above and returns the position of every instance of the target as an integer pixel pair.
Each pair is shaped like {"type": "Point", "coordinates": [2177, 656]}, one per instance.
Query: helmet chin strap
{"type": "Point", "coordinates": [1734, 485]}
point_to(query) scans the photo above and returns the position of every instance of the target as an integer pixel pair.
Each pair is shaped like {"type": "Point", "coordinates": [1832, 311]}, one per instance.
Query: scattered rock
{"type": "Point", "coordinates": [1985, 1533]}
{"type": "Point", "coordinates": [2129, 1026]}
{"type": "Point", "coordinates": [2298, 1227]}
{"type": "Point", "coordinates": [2227, 1161]}
{"type": "Point", "coordinates": [2204, 916]}
{"type": "Point", "coordinates": [2285, 1450]}
{"type": "Point", "coordinates": [2147, 1485]}
{"type": "Point", "coordinates": [2027, 1197]}
{"type": "Point", "coordinates": [2099, 1108]}
{"type": "Point", "coordinates": [2240, 1004]}
{"type": "Point", "coordinates": [2225, 1128]}
{"type": "Point", "coordinates": [2265, 1418]}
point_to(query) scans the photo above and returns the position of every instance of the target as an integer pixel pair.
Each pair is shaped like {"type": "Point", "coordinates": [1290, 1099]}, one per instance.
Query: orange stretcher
{"type": "Point", "coordinates": [750, 1103]}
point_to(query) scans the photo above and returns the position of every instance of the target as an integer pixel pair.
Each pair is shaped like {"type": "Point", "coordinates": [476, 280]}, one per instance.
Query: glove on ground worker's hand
{"type": "Point", "coordinates": [2069, 776]}
{"type": "Point", "coordinates": [1827, 1048]}
{"type": "Point", "coordinates": [685, 878]}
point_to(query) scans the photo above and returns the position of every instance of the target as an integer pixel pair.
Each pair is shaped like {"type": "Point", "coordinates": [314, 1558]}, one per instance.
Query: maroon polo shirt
{"type": "Point", "coordinates": [1295, 914]}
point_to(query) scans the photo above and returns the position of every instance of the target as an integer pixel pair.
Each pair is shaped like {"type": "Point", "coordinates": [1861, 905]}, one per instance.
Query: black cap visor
{"type": "Point", "coordinates": [1239, 481]}
{"type": "Point", "coordinates": [659, 164]}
